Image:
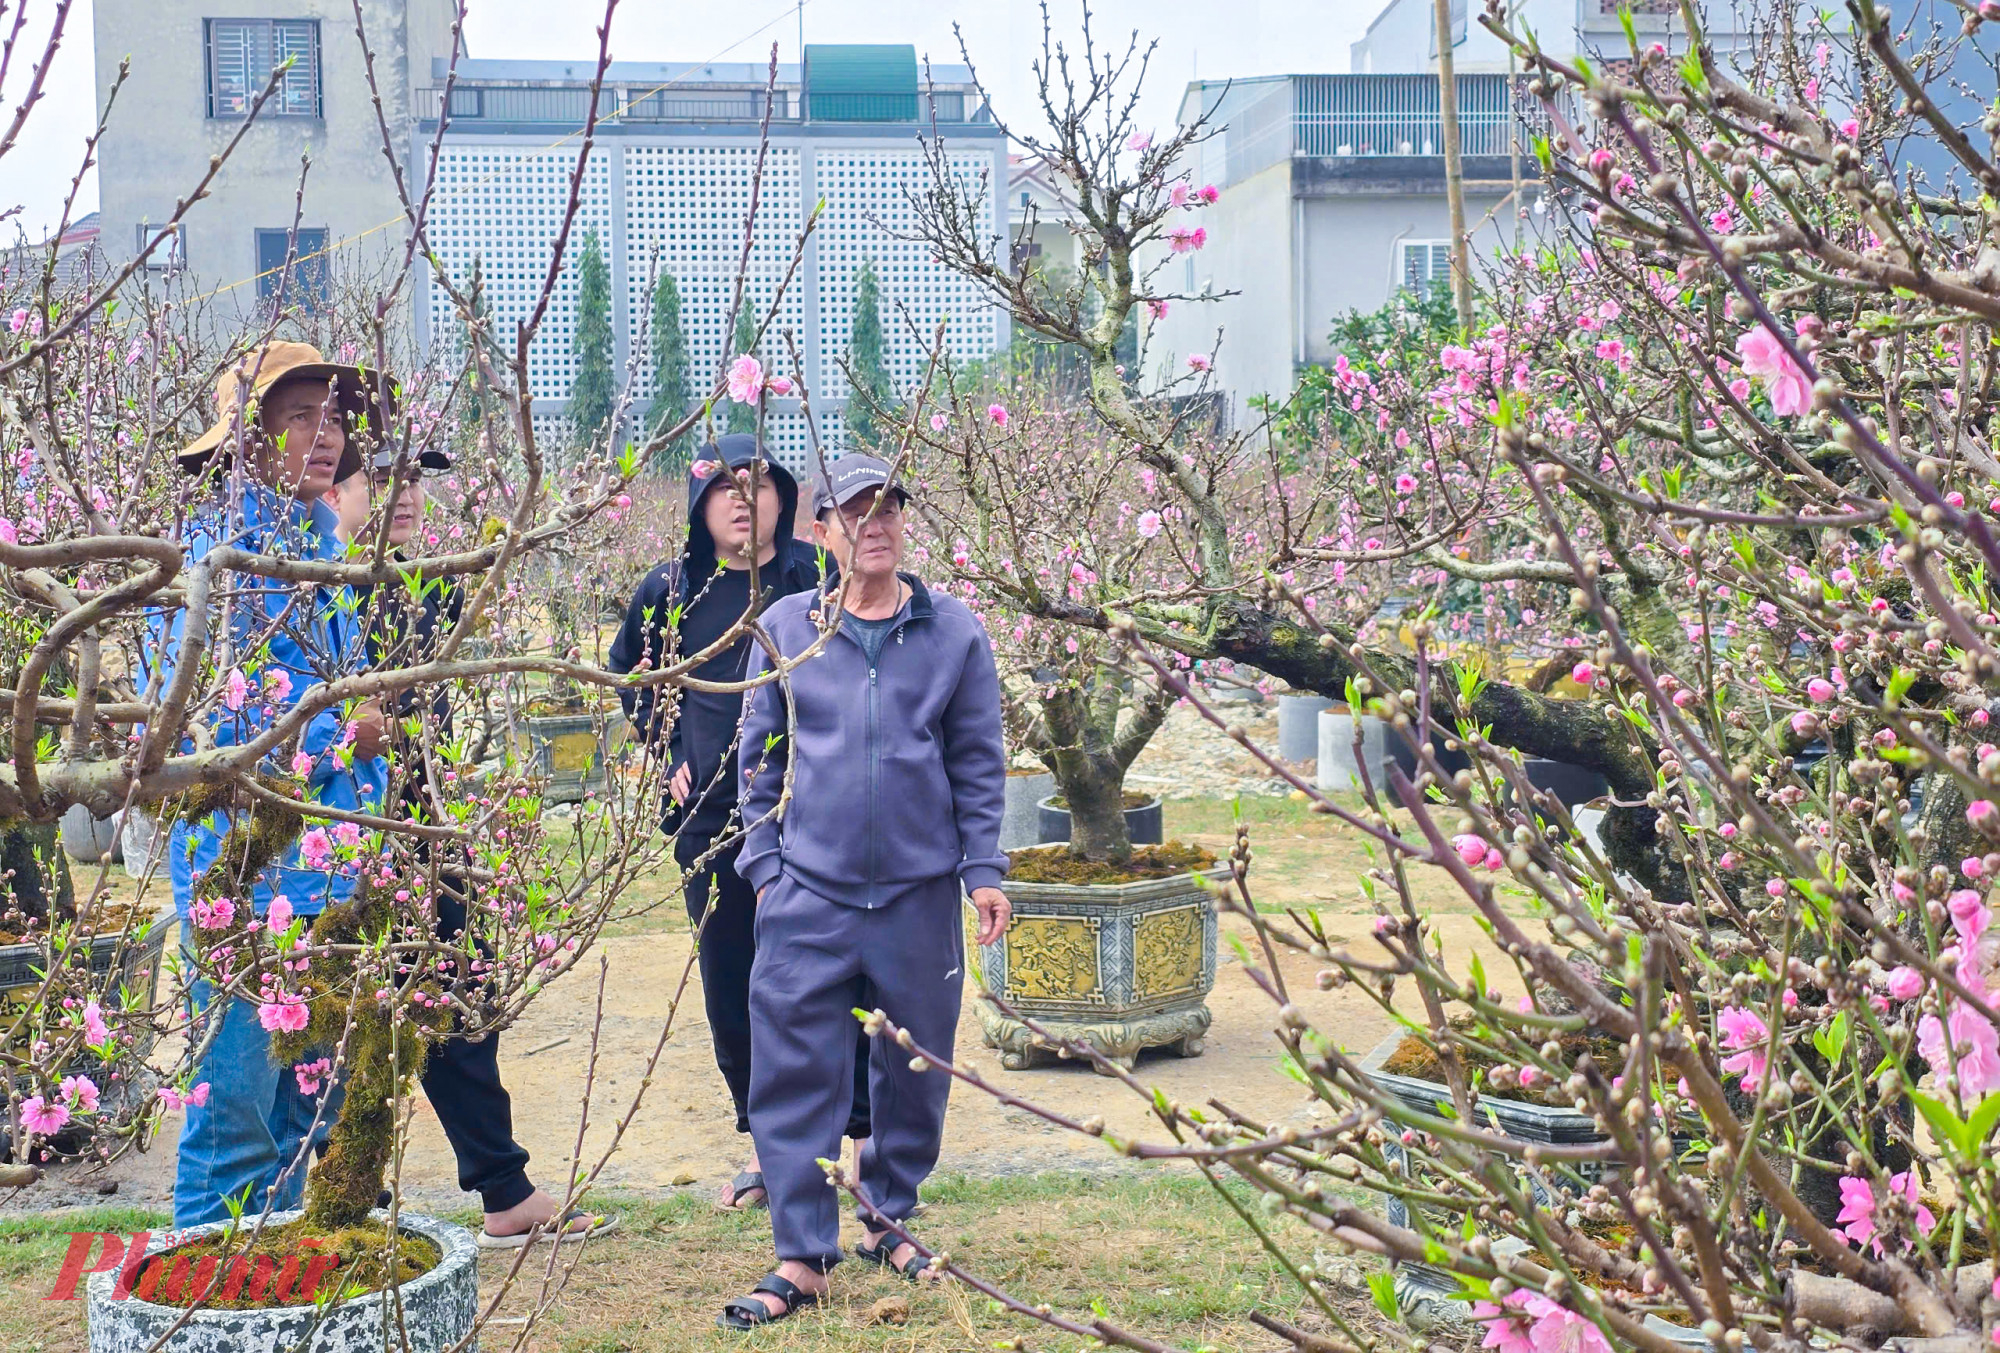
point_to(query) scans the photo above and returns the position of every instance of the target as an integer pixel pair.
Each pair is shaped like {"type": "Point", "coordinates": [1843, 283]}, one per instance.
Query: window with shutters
{"type": "Point", "coordinates": [244, 53]}
{"type": "Point", "coordinates": [292, 269]}
{"type": "Point", "coordinates": [1426, 264]}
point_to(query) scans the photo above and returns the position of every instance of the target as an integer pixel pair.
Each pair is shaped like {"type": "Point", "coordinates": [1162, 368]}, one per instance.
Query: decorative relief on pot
{"type": "Point", "coordinates": [1168, 957]}
{"type": "Point", "coordinates": [1054, 958]}
{"type": "Point", "coordinates": [574, 752]}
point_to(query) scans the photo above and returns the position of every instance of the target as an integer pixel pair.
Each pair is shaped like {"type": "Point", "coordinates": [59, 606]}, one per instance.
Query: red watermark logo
{"type": "Point", "coordinates": [180, 1279]}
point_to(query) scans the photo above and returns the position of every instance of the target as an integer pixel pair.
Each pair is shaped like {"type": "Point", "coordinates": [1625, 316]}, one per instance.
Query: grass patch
{"type": "Point", "coordinates": [1159, 1250]}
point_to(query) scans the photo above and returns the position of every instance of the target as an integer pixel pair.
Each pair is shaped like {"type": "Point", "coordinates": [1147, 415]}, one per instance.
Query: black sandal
{"type": "Point", "coordinates": [747, 1313]}
{"type": "Point", "coordinates": [882, 1254]}
{"type": "Point", "coordinates": [742, 1184]}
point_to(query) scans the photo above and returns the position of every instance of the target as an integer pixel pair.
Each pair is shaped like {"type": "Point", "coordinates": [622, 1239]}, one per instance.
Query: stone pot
{"type": "Point", "coordinates": [1573, 786]}
{"type": "Point", "coordinates": [569, 753]}
{"type": "Point", "coordinates": [136, 958]}
{"type": "Point", "coordinates": [1430, 1301]}
{"type": "Point", "coordinates": [1338, 768]}
{"type": "Point", "coordinates": [437, 1309]}
{"type": "Point", "coordinates": [1020, 821]}
{"type": "Point", "coordinates": [1119, 966]}
{"type": "Point", "coordinates": [1427, 1294]}
{"type": "Point", "coordinates": [1146, 824]}
{"type": "Point", "coordinates": [1298, 726]}
{"type": "Point", "coordinates": [87, 839]}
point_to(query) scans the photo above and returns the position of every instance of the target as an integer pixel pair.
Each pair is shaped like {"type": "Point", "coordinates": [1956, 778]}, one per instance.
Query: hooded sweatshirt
{"type": "Point", "coordinates": [683, 606]}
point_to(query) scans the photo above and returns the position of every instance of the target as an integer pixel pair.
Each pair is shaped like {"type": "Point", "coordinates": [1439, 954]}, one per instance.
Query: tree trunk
{"type": "Point", "coordinates": [1454, 169]}
{"type": "Point", "coordinates": [344, 1186]}
{"type": "Point", "coordinates": [37, 879]}
{"type": "Point", "coordinates": [1096, 799]}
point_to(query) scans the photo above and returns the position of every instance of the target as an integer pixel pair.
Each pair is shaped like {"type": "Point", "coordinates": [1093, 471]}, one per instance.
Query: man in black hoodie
{"type": "Point", "coordinates": [683, 607]}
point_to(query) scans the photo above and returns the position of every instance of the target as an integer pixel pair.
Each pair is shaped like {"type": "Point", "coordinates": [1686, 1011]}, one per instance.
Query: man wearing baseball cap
{"type": "Point", "coordinates": [687, 605]}
{"type": "Point", "coordinates": [897, 776]}
{"type": "Point", "coordinates": [300, 423]}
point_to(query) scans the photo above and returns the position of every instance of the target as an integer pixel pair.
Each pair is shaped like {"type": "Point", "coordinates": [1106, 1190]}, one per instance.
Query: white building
{"type": "Point", "coordinates": [1333, 186]}
{"type": "Point", "coordinates": [1037, 212]}
{"type": "Point", "coordinates": [669, 186]}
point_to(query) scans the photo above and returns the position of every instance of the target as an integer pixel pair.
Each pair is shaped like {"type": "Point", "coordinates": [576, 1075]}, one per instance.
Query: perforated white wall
{"type": "Point", "coordinates": [504, 206]}
{"type": "Point", "coordinates": [866, 208]}
{"type": "Point", "coordinates": [684, 204]}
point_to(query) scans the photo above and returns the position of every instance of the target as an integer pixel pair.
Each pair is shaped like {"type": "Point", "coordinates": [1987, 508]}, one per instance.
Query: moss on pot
{"type": "Point", "coordinates": [1055, 864]}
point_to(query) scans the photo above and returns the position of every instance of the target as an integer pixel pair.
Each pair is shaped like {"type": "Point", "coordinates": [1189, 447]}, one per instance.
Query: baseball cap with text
{"type": "Point", "coordinates": [852, 475]}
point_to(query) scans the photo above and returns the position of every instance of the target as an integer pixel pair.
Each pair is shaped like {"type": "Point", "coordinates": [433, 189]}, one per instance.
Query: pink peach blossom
{"type": "Point", "coordinates": [746, 379]}
{"type": "Point", "coordinates": [1905, 983]}
{"type": "Point", "coordinates": [1765, 358]}
{"type": "Point", "coordinates": [1744, 1033]}
{"type": "Point", "coordinates": [288, 1015]}
{"type": "Point", "coordinates": [43, 1118]}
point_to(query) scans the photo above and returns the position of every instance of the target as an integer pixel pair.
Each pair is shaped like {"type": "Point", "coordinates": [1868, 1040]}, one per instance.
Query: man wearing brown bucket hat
{"type": "Point", "coordinates": [300, 423]}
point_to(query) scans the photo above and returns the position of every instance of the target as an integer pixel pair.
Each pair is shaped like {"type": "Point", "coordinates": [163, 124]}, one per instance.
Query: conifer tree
{"type": "Point", "coordinates": [593, 391]}
{"type": "Point", "coordinates": [671, 393]}
{"type": "Point", "coordinates": [742, 417]}
{"type": "Point", "coordinates": [868, 373]}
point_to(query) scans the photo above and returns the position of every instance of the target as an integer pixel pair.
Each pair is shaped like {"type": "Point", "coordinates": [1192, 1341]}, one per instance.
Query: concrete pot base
{"type": "Point", "coordinates": [437, 1309]}
{"type": "Point", "coordinates": [1118, 1043]}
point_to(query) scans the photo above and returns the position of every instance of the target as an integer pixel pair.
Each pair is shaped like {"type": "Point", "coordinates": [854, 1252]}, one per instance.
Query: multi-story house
{"type": "Point", "coordinates": [1333, 186]}
{"type": "Point", "coordinates": [308, 181]}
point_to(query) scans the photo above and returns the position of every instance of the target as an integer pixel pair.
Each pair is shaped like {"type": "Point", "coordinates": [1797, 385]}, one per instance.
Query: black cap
{"type": "Point", "coordinates": [851, 475]}
{"type": "Point", "coordinates": [430, 458]}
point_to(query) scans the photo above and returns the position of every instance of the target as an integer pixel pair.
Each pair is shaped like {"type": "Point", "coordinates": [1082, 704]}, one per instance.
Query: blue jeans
{"type": "Point", "coordinates": [254, 1136]}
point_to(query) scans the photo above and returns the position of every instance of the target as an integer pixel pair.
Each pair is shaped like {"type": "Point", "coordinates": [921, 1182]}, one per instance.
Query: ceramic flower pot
{"type": "Point", "coordinates": [1120, 966]}
{"type": "Point", "coordinates": [1145, 825]}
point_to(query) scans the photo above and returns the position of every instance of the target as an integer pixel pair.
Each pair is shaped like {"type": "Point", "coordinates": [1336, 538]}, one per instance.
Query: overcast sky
{"type": "Point", "coordinates": [1211, 38]}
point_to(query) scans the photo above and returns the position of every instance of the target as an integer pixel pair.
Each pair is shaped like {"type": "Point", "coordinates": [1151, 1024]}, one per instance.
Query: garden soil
{"type": "Point", "coordinates": [683, 1137]}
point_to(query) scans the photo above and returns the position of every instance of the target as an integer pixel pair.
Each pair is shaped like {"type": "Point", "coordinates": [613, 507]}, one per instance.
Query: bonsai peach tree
{"type": "Point", "coordinates": [1738, 412]}
{"type": "Point", "coordinates": [1032, 504]}
{"type": "Point", "coordinates": [101, 382]}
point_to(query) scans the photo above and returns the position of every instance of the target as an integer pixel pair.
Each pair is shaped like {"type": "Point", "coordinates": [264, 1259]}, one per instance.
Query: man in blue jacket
{"type": "Point", "coordinates": [683, 607]}
{"type": "Point", "coordinates": [897, 775]}
{"type": "Point", "coordinates": [303, 427]}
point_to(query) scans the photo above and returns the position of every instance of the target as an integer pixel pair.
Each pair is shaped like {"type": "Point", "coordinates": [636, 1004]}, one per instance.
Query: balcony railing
{"type": "Point", "coordinates": [566, 105]}
{"type": "Point", "coordinates": [1373, 115]}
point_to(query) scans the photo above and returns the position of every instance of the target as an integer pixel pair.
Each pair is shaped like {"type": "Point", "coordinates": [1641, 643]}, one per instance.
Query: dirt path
{"type": "Point", "coordinates": [683, 1135]}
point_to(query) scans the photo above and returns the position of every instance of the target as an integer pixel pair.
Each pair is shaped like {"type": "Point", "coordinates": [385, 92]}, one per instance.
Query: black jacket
{"type": "Point", "coordinates": [681, 732]}
{"type": "Point", "coordinates": [406, 620]}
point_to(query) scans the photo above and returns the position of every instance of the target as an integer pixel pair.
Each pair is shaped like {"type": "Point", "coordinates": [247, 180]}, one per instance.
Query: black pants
{"type": "Point", "coordinates": [728, 948]}
{"type": "Point", "coordinates": [462, 1082]}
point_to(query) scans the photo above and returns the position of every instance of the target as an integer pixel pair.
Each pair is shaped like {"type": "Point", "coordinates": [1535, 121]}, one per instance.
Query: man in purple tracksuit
{"type": "Point", "coordinates": [897, 780]}
{"type": "Point", "coordinates": [687, 605]}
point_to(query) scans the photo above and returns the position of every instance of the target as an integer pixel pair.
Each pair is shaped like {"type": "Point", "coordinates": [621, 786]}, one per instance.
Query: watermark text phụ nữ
{"type": "Point", "coordinates": [181, 1279]}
